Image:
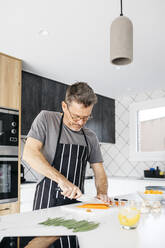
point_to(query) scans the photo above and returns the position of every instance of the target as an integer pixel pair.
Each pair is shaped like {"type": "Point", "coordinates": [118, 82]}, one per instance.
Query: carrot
{"type": "Point", "coordinates": [95, 206]}
{"type": "Point", "coordinates": [151, 191]}
{"type": "Point", "coordinates": [88, 210]}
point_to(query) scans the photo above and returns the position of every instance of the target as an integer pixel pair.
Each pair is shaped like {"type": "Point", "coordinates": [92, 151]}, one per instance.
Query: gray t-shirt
{"type": "Point", "coordinates": [45, 128]}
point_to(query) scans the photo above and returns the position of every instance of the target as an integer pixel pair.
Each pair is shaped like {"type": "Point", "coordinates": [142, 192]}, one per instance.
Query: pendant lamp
{"type": "Point", "coordinates": [121, 40]}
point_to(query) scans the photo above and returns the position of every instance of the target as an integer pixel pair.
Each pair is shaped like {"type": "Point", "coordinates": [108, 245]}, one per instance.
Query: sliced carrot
{"type": "Point", "coordinates": [151, 191]}
{"type": "Point", "coordinates": [95, 206]}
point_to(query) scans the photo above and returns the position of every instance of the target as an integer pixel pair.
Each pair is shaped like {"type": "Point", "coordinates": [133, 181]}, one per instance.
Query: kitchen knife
{"type": "Point", "coordinates": [84, 197]}
{"type": "Point", "coordinates": [88, 198]}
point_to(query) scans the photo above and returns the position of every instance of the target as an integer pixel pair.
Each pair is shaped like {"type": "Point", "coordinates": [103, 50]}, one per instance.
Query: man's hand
{"type": "Point", "coordinates": [103, 197]}
{"type": "Point", "coordinates": [42, 242]}
{"type": "Point", "coordinates": [69, 189]}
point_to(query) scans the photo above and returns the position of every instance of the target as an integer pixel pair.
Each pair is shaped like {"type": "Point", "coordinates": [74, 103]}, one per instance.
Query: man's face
{"type": "Point", "coordinates": [76, 115]}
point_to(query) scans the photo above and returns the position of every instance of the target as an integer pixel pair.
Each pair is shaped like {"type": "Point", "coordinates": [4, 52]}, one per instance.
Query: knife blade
{"type": "Point", "coordinates": [88, 198]}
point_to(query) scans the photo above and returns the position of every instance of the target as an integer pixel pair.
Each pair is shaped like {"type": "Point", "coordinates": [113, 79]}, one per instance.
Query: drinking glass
{"type": "Point", "coordinates": [129, 214]}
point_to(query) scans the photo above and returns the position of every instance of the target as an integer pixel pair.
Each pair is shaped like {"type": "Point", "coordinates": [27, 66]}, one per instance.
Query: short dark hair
{"type": "Point", "coordinates": [82, 93]}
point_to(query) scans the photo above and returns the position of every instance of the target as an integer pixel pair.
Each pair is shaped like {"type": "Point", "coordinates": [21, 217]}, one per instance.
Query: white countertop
{"type": "Point", "coordinates": [149, 233]}
{"type": "Point", "coordinates": [137, 178]}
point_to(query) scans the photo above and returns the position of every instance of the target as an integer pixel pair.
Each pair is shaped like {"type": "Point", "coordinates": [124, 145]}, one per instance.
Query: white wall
{"type": "Point", "coordinates": [116, 156]}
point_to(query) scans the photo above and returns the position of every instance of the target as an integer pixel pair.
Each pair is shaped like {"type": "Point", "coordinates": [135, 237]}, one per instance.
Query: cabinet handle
{"type": "Point", "coordinates": [4, 209]}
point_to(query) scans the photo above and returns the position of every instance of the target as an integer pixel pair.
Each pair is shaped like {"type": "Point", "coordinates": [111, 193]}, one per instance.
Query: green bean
{"type": "Point", "coordinates": [77, 226]}
{"type": "Point", "coordinates": [86, 228]}
{"type": "Point", "coordinates": [80, 223]}
{"type": "Point", "coordinates": [69, 224]}
{"type": "Point", "coordinates": [50, 222]}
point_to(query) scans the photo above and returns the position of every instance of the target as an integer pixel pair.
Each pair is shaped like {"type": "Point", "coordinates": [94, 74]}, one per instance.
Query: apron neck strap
{"type": "Point", "coordinates": [86, 143]}
{"type": "Point", "coordinates": [59, 136]}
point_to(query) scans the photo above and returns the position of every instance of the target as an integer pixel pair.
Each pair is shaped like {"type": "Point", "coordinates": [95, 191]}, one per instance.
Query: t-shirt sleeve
{"type": "Point", "coordinates": [39, 127]}
{"type": "Point", "coordinates": [95, 155]}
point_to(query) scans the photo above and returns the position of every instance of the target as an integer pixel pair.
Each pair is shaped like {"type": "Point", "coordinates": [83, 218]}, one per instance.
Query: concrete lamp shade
{"type": "Point", "coordinates": [121, 41]}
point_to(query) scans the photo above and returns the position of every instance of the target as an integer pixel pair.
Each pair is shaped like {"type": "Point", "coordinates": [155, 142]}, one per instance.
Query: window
{"type": "Point", "coordinates": [147, 130]}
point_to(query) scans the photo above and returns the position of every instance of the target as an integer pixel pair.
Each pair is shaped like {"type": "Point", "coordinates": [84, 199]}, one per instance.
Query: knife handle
{"type": "Point", "coordinates": [117, 199]}
{"type": "Point", "coordinates": [58, 189]}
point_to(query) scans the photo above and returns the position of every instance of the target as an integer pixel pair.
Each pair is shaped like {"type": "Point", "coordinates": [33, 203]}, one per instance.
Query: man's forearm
{"type": "Point", "coordinates": [42, 242]}
{"type": "Point", "coordinates": [38, 162]}
{"type": "Point", "coordinates": [101, 185]}
{"type": "Point", "coordinates": [101, 182]}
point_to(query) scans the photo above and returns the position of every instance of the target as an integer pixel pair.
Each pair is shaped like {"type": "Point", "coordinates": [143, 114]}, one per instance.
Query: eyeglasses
{"type": "Point", "coordinates": [78, 118]}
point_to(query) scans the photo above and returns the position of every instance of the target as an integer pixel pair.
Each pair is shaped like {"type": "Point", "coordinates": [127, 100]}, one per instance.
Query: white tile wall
{"type": "Point", "coordinates": [116, 156]}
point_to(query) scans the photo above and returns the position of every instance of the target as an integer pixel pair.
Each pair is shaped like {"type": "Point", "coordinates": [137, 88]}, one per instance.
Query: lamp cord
{"type": "Point", "coordinates": [121, 4]}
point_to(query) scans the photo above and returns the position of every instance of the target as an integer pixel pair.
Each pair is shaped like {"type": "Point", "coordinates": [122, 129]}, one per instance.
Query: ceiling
{"type": "Point", "coordinates": [77, 45]}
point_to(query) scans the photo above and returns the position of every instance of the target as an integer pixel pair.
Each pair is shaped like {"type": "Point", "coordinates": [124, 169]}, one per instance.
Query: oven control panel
{"type": "Point", "coordinates": [9, 127]}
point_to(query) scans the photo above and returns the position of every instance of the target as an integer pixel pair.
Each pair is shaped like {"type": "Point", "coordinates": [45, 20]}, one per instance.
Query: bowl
{"type": "Point", "coordinates": [152, 197]}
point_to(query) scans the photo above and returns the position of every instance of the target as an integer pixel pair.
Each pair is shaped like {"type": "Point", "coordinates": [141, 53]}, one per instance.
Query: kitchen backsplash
{"type": "Point", "coordinates": [116, 156]}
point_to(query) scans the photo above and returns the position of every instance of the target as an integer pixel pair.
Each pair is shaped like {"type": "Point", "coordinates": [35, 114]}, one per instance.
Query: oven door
{"type": "Point", "coordinates": [8, 179]}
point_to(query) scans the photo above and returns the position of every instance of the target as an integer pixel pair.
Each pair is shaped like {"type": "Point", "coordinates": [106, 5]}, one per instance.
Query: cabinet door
{"type": "Point", "coordinates": [10, 81]}
{"type": "Point", "coordinates": [27, 197]}
{"type": "Point", "coordinates": [9, 208]}
{"type": "Point", "coordinates": [95, 124]}
{"type": "Point", "coordinates": [108, 120]}
{"type": "Point", "coordinates": [53, 93]}
{"type": "Point", "coordinates": [31, 100]}
{"type": "Point", "coordinates": [38, 94]}
{"type": "Point", "coordinates": [103, 122]}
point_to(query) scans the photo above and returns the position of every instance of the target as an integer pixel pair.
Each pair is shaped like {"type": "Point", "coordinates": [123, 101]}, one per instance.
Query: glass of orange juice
{"type": "Point", "coordinates": [129, 214]}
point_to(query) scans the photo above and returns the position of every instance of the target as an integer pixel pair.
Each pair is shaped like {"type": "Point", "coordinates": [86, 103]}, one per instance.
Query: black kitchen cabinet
{"type": "Point", "coordinates": [31, 101]}
{"type": "Point", "coordinates": [103, 122]}
{"type": "Point", "coordinates": [39, 93]}
{"type": "Point", "coordinates": [108, 120]}
{"type": "Point", "coordinates": [53, 93]}
{"type": "Point", "coordinates": [96, 122]}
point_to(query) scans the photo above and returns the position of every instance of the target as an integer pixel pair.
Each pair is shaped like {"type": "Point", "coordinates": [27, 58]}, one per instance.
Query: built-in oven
{"type": "Point", "coordinates": [9, 128]}
{"type": "Point", "coordinates": [8, 179]}
{"type": "Point", "coordinates": [9, 124]}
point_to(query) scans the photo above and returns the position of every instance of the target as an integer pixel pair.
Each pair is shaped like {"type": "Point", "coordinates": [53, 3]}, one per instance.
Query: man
{"type": "Point", "coordinates": [58, 146]}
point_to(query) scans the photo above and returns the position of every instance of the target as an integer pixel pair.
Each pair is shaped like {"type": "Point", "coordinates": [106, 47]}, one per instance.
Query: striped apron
{"type": "Point", "coordinates": [70, 160]}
